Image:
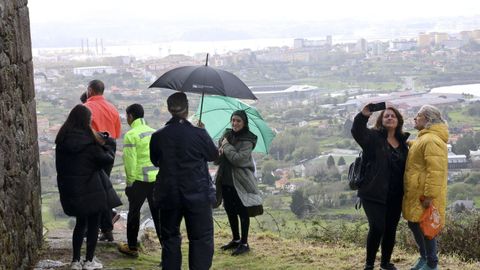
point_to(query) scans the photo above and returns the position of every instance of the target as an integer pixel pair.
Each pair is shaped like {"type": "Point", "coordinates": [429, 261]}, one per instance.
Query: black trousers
{"type": "Point", "coordinates": [235, 209]}
{"type": "Point", "coordinates": [89, 223]}
{"type": "Point", "coordinates": [199, 224]}
{"type": "Point", "coordinates": [106, 224]}
{"type": "Point", "coordinates": [382, 221]}
{"type": "Point", "coordinates": [137, 194]}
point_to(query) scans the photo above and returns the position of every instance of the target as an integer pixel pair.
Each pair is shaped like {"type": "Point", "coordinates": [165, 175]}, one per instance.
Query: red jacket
{"type": "Point", "coordinates": [105, 116]}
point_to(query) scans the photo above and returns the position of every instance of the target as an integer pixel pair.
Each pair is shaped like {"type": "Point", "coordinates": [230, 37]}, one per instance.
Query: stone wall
{"type": "Point", "coordinates": [20, 211]}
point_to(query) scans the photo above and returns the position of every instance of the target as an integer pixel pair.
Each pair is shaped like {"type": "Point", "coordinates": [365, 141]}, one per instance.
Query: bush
{"type": "Point", "coordinates": [461, 236]}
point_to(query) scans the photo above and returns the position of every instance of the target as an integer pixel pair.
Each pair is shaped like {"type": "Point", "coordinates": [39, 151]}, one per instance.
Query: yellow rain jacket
{"type": "Point", "coordinates": [426, 172]}
{"type": "Point", "coordinates": [136, 153]}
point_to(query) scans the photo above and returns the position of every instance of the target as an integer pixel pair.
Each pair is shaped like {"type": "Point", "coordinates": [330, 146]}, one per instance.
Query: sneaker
{"type": "Point", "coordinates": [92, 265]}
{"type": "Point", "coordinates": [125, 249]}
{"type": "Point", "coordinates": [419, 264]}
{"type": "Point", "coordinates": [106, 236]}
{"type": "Point", "coordinates": [231, 245]}
{"type": "Point", "coordinates": [76, 265]}
{"type": "Point", "coordinates": [388, 266]}
{"type": "Point", "coordinates": [241, 249]}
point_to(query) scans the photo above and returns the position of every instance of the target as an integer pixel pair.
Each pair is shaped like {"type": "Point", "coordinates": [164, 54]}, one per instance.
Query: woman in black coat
{"type": "Point", "coordinates": [385, 151]}
{"type": "Point", "coordinates": [84, 187]}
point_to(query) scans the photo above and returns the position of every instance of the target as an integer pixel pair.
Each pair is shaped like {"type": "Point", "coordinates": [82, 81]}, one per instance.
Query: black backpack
{"type": "Point", "coordinates": [356, 172]}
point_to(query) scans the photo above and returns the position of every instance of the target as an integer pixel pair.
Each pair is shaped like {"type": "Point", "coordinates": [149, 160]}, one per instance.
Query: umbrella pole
{"type": "Point", "coordinates": [201, 108]}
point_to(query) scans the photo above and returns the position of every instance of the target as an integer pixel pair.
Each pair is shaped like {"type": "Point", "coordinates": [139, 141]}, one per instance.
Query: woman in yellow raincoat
{"type": "Point", "coordinates": [425, 180]}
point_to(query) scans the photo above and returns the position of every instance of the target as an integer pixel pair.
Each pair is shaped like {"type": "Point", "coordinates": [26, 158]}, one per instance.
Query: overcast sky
{"type": "Point", "coordinates": [298, 10]}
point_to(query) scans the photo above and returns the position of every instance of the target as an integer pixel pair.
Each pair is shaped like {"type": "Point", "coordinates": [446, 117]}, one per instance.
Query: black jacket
{"type": "Point", "coordinates": [80, 163]}
{"type": "Point", "coordinates": [376, 151]}
{"type": "Point", "coordinates": [181, 151]}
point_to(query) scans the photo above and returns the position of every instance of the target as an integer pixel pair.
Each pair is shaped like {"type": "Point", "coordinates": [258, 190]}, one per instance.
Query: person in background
{"type": "Point", "coordinates": [105, 118]}
{"type": "Point", "coordinates": [385, 152]}
{"type": "Point", "coordinates": [140, 174]}
{"type": "Point", "coordinates": [235, 181]}
{"type": "Point", "coordinates": [426, 180]}
{"type": "Point", "coordinates": [81, 155]}
{"type": "Point", "coordinates": [184, 188]}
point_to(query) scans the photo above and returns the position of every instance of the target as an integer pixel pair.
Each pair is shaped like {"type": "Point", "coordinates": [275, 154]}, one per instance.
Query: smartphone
{"type": "Point", "coordinates": [376, 107]}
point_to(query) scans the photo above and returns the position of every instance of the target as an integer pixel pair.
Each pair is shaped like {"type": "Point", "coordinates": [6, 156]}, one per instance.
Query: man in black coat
{"type": "Point", "coordinates": [184, 188]}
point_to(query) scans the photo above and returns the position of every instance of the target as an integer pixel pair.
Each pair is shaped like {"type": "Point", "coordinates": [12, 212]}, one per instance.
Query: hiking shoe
{"type": "Point", "coordinates": [92, 265]}
{"type": "Point", "coordinates": [106, 236]}
{"type": "Point", "coordinates": [241, 249]}
{"type": "Point", "coordinates": [76, 265]}
{"type": "Point", "coordinates": [419, 264]}
{"type": "Point", "coordinates": [231, 245]}
{"type": "Point", "coordinates": [388, 266]}
{"type": "Point", "coordinates": [125, 249]}
{"type": "Point", "coordinates": [426, 267]}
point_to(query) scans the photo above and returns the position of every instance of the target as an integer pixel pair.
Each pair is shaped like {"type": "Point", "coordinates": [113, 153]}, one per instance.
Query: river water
{"type": "Point", "coordinates": [473, 89]}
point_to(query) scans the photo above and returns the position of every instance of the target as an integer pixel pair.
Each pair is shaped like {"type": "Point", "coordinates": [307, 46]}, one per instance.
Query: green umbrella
{"type": "Point", "coordinates": [216, 114]}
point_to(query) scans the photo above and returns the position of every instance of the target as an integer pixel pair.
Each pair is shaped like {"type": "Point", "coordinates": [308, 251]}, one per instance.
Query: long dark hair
{"type": "Point", "coordinates": [79, 118]}
{"type": "Point", "coordinates": [379, 124]}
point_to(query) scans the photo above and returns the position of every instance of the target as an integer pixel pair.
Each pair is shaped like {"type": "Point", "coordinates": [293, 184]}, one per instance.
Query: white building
{"type": "Point", "coordinates": [90, 71]}
{"type": "Point", "coordinates": [402, 45]}
{"type": "Point", "coordinates": [475, 155]}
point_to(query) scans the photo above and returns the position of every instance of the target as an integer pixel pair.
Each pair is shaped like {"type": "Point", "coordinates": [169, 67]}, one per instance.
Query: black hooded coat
{"type": "Point", "coordinates": [83, 185]}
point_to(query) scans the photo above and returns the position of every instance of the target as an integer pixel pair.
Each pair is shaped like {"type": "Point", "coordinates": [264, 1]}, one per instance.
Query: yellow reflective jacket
{"type": "Point", "coordinates": [136, 153]}
{"type": "Point", "coordinates": [426, 172]}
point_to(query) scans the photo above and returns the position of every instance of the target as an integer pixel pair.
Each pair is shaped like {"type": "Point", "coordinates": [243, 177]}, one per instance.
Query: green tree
{"type": "Point", "coordinates": [341, 161]}
{"type": "Point", "coordinates": [330, 162]}
{"type": "Point", "coordinates": [269, 166]}
{"type": "Point", "coordinates": [476, 138]}
{"type": "Point", "coordinates": [473, 178]}
{"type": "Point", "coordinates": [298, 203]}
{"type": "Point", "coordinates": [464, 145]}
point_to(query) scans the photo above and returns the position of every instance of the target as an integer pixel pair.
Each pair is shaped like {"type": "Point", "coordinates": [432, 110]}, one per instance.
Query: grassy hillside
{"type": "Point", "coordinates": [267, 252]}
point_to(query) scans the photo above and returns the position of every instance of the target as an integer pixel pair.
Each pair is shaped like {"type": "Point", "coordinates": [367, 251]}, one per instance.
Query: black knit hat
{"type": "Point", "coordinates": [242, 114]}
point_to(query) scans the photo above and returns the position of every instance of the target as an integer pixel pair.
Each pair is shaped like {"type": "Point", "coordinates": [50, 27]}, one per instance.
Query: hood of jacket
{"type": "Point", "coordinates": [75, 141]}
{"type": "Point", "coordinates": [242, 136]}
{"type": "Point", "coordinates": [440, 130]}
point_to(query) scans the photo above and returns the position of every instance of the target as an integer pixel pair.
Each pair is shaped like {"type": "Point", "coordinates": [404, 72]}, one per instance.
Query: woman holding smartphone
{"type": "Point", "coordinates": [385, 152]}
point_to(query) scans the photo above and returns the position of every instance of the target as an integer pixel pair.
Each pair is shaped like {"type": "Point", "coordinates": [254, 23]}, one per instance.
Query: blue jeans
{"type": "Point", "coordinates": [427, 248]}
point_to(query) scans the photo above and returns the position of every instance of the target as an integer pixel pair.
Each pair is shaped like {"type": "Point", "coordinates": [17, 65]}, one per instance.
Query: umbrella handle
{"type": "Point", "coordinates": [201, 108]}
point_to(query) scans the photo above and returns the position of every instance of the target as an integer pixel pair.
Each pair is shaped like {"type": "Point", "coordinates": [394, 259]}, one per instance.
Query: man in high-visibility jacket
{"type": "Point", "coordinates": [140, 174]}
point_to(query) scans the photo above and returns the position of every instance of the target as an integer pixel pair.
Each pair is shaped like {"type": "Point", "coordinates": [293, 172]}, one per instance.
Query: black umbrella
{"type": "Point", "coordinates": [204, 80]}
